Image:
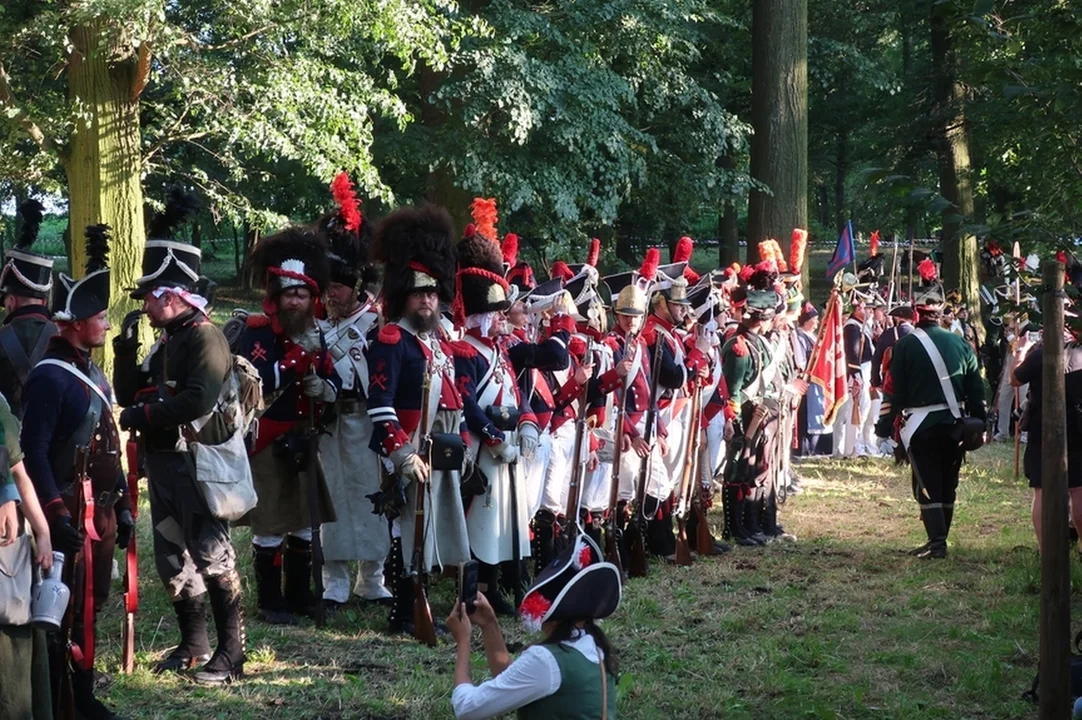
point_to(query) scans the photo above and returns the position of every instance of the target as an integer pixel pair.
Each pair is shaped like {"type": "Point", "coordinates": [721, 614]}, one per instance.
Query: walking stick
{"type": "Point", "coordinates": [131, 568]}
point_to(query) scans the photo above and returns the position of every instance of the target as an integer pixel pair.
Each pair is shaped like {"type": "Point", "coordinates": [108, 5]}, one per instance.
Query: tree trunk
{"type": "Point", "coordinates": [103, 163]}
{"type": "Point", "coordinates": [238, 253]}
{"type": "Point", "coordinates": [197, 233]}
{"type": "Point", "coordinates": [841, 168]}
{"type": "Point", "coordinates": [961, 257]}
{"type": "Point", "coordinates": [251, 238]}
{"type": "Point", "coordinates": [441, 187]}
{"type": "Point", "coordinates": [779, 116]}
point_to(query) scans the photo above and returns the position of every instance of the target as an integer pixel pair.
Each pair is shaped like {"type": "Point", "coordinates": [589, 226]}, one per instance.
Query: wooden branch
{"type": "Point", "coordinates": [8, 101]}
{"type": "Point", "coordinates": [142, 71]}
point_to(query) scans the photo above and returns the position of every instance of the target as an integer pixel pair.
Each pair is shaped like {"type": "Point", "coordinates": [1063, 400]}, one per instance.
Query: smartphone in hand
{"type": "Point", "coordinates": [467, 584]}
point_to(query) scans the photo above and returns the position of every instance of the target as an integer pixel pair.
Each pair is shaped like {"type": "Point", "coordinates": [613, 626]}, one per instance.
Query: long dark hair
{"type": "Point", "coordinates": [567, 628]}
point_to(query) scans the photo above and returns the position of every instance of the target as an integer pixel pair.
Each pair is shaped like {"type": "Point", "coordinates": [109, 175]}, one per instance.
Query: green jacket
{"type": "Point", "coordinates": [8, 491]}
{"type": "Point", "coordinates": [579, 696]}
{"type": "Point", "coordinates": [913, 382]}
{"type": "Point", "coordinates": [743, 358]}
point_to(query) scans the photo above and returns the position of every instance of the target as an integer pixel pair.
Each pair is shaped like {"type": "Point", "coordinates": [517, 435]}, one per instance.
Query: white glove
{"type": "Point", "coordinates": [887, 445]}
{"type": "Point", "coordinates": [528, 438]}
{"type": "Point", "coordinates": [505, 452]}
{"type": "Point", "coordinates": [316, 387]}
{"type": "Point", "coordinates": [410, 466]}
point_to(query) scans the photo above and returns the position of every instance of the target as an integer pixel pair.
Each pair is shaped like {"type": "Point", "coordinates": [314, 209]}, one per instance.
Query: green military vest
{"type": "Point", "coordinates": [579, 696]}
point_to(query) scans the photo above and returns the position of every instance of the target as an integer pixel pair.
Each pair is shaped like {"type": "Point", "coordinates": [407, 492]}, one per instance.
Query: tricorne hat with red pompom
{"type": "Point", "coordinates": [576, 585]}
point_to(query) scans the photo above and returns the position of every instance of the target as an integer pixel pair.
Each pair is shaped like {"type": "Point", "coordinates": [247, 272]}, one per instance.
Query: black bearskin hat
{"type": "Point", "coordinates": [294, 257]}
{"type": "Point", "coordinates": [27, 273]}
{"type": "Point", "coordinates": [415, 247]}
{"type": "Point", "coordinates": [481, 285]}
{"type": "Point", "coordinates": [349, 236]}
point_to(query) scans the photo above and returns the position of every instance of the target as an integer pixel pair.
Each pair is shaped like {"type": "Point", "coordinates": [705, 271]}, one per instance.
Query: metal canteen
{"type": "Point", "coordinates": [49, 598]}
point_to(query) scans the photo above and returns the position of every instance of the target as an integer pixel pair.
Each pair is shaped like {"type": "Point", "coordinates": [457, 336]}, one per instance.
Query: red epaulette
{"type": "Point", "coordinates": [740, 347]}
{"type": "Point", "coordinates": [577, 347]}
{"type": "Point", "coordinates": [257, 321]}
{"type": "Point", "coordinates": [462, 349]}
{"type": "Point", "coordinates": [612, 342]}
{"type": "Point", "coordinates": [649, 334]}
{"type": "Point", "coordinates": [390, 334]}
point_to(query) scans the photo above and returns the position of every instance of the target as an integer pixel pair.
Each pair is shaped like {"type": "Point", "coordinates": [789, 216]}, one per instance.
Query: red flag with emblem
{"type": "Point", "coordinates": [826, 368]}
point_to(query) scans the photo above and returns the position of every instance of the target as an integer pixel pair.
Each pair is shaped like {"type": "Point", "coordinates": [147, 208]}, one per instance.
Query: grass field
{"type": "Point", "coordinates": [840, 625]}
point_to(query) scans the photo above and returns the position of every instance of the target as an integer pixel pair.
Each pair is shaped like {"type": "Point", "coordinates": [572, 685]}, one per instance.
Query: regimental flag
{"type": "Point", "coordinates": [826, 368]}
{"type": "Point", "coordinates": [844, 252]}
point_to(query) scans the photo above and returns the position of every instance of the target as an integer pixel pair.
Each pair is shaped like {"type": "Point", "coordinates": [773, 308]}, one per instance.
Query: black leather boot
{"type": "Point", "coordinates": [660, 540]}
{"type": "Point", "coordinates": [87, 706]}
{"type": "Point", "coordinates": [268, 583]}
{"type": "Point", "coordinates": [753, 512]}
{"type": "Point", "coordinates": [227, 663]}
{"type": "Point", "coordinates": [194, 647]}
{"type": "Point", "coordinates": [400, 618]}
{"type": "Point", "coordinates": [489, 586]}
{"type": "Point", "coordinates": [297, 569]}
{"type": "Point", "coordinates": [935, 525]}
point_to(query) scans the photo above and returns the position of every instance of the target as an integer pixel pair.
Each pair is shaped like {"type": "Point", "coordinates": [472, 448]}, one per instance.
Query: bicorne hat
{"type": "Point", "coordinates": [576, 585]}
{"type": "Point", "coordinates": [27, 273]}
{"type": "Point", "coordinates": [86, 297]}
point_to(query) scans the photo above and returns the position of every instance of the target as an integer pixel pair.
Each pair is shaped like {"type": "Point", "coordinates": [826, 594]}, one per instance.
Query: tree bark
{"type": "Point", "coordinates": [779, 116]}
{"type": "Point", "coordinates": [961, 256]}
{"type": "Point", "coordinates": [104, 161]}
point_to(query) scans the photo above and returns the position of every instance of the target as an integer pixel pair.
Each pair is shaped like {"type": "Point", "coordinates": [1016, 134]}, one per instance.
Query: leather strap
{"type": "Point", "coordinates": [941, 370]}
{"type": "Point", "coordinates": [131, 591]}
{"type": "Point", "coordinates": [604, 687]}
{"type": "Point", "coordinates": [83, 652]}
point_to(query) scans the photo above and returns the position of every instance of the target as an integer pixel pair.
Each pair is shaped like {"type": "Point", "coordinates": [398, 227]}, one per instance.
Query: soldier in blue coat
{"type": "Point", "coordinates": [68, 414]}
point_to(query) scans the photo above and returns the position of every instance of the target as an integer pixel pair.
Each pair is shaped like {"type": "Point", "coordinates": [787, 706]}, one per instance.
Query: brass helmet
{"type": "Point", "coordinates": [630, 301]}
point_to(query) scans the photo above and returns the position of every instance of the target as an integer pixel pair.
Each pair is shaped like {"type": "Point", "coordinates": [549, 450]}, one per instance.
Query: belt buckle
{"type": "Point", "coordinates": [106, 499]}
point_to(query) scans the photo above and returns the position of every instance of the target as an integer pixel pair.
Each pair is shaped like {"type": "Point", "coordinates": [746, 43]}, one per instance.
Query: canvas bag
{"type": "Point", "coordinates": [16, 581]}
{"type": "Point", "coordinates": [222, 472]}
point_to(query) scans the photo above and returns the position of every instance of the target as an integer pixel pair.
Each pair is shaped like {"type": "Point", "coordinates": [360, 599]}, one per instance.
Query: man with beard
{"type": "Point", "coordinates": [69, 413]}
{"type": "Point", "coordinates": [25, 283]}
{"type": "Point", "coordinates": [415, 247]}
{"type": "Point", "coordinates": [499, 419]}
{"type": "Point", "coordinates": [289, 350]}
{"type": "Point", "coordinates": [353, 473]}
{"type": "Point", "coordinates": [183, 392]}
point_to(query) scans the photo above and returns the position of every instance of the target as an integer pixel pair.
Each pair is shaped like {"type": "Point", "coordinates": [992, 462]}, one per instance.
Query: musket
{"type": "Point", "coordinates": [612, 527]}
{"type": "Point", "coordinates": [578, 463]}
{"type": "Point", "coordinates": [424, 629]}
{"type": "Point", "coordinates": [637, 540]}
{"type": "Point", "coordinates": [1017, 252]}
{"type": "Point", "coordinates": [687, 478]}
{"type": "Point", "coordinates": [131, 567]}
{"type": "Point", "coordinates": [910, 296]}
{"type": "Point", "coordinates": [893, 274]}
{"type": "Point", "coordinates": [61, 661]}
{"type": "Point", "coordinates": [314, 473]}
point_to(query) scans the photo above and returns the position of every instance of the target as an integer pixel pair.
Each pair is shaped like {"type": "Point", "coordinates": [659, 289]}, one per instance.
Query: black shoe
{"type": "Point", "coordinates": [917, 551]}
{"type": "Point", "coordinates": [747, 541]}
{"type": "Point", "coordinates": [330, 607]}
{"type": "Point", "coordinates": [227, 663]}
{"type": "Point", "coordinates": [86, 705]}
{"type": "Point", "coordinates": [194, 647]}
{"type": "Point", "coordinates": [720, 547]}
{"type": "Point", "coordinates": [933, 551]}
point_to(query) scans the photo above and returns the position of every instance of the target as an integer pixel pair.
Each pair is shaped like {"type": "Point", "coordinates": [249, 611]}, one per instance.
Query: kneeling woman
{"type": "Point", "coordinates": [571, 673]}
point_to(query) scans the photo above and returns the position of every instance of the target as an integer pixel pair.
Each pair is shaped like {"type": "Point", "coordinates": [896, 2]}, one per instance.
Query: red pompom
{"type": "Point", "coordinates": [746, 272]}
{"type": "Point", "coordinates": [594, 254]}
{"type": "Point", "coordinates": [927, 270]}
{"type": "Point", "coordinates": [390, 334]}
{"type": "Point", "coordinates": [648, 269]}
{"type": "Point", "coordinates": [349, 209]}
{"type": "Point", "coordinates": [510, 249]}
{"type": "Point", "coordinates": [584, 557]}
{"type": "Point", "coordinates": [577, 347]}
{"type": "Point", "coordinates": [561, 270]}
{"type": "Point", "coordinates": [1061, 257]}
{"type": "Point", "coordinates": [533, 609]}
{"type": "Point", "coordinates": [873, 243]}
{"type": "Point", "coordinates": [691, 276]}
{"type": "Point", "coordinates": [798, 245]}
{"type": "Point", "coordinates": [683, 250]}
{"type": "Point", "coordinates": [740, 347]}
{"type": "Point", "coordinates": [470, 229]}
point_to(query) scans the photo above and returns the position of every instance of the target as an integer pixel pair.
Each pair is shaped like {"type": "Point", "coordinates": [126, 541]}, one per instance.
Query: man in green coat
{"type": "Point", "coordinates": [916, 410]}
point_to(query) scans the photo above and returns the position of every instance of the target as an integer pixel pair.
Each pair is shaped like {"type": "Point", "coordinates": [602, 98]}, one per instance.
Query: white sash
{"type": "Point", "coordinates": [487, 391]}
{"type": "Point", "coordinates": [915, 416]}
{"type": "Point", "coordinates": [79, 374]}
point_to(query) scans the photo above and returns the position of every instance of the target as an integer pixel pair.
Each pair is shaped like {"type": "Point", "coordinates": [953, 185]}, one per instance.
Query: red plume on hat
{"type": "Point", "coordinates": [561, 270]}
{"type": "Point", "coordinates": [483, 211]}
{"type": "Point", "coordinates": [685, 246]}
{"type": "Point", "coordinates": [510, 249]}
{"type": "Point", "coordinates": [798, 244]}
{"type": "Point", "coordinates": [648, 269]}
{"type": "Point", "coordinates": [594, 254]}
{"type": "Point", "coordinates": [873, 242]}
{"type": "Point", "coordinates": [927, 270]}
{"type": "Point", "coordinates": [349, 209]}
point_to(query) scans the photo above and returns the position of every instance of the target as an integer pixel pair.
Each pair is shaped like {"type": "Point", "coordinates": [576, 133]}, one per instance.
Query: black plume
{"type": "Point", "coordinates": [97, 248]}
{"type": "Point", "coordinates": [179, 205]}
{"type": "Point", "coordinates": [31, 212]}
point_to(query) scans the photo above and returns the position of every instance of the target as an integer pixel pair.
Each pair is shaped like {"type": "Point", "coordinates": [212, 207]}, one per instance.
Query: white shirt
{"type": "Point", "coordinates": [532, 676]}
